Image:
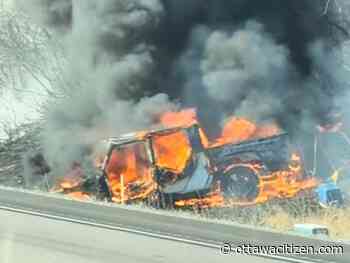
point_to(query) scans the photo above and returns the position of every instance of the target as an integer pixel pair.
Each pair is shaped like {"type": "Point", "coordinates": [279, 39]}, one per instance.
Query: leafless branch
{"type": "Point", "coordinates": [27, 50]}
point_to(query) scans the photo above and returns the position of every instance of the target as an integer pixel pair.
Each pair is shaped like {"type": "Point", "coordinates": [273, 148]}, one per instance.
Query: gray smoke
{"type": "Point", "coordinates": [109, 65]}
{"type": "Point", "coordinates": [129, 61]}
{"type": "Point", "coordinates": [246, 72]}
{"type": "Point", "coordinates": [234, 72]}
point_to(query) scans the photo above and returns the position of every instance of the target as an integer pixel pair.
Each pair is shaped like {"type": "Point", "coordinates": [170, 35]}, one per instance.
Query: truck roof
{"type": "Point", "coordinates": [142, 135]}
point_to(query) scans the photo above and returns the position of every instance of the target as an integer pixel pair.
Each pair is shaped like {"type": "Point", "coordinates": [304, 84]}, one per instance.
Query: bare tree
{"type": "Point", "coordinates": [28, 51]}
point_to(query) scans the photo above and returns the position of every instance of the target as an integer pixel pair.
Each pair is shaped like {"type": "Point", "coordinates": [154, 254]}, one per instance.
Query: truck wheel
{"type": "Point", "coordinates": [241, 182]}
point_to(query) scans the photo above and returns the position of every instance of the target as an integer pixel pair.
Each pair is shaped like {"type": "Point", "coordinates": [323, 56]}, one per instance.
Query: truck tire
{"type": "Point", "coordinates": [240, 182]}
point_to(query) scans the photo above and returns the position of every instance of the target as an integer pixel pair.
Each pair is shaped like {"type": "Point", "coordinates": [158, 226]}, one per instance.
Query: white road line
{"type": "Point", "coordinates": [167, 236]}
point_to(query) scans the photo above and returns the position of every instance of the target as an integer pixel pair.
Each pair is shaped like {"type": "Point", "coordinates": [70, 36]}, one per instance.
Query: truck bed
{"type": "Point", "coordinates": [272, 151]}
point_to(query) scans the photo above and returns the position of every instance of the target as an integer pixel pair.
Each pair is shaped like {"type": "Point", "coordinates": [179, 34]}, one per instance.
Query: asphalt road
{"type": "Point", "coordinates": [137, 229]}
{"type": "Point", "coordinates": [32, 239]}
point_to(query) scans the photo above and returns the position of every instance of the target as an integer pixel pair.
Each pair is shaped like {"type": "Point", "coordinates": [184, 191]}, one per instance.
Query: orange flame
{"type": "Point", "coordinates": [172, 151]}
{"type": "Point", "coordinates": [129, 171]}
{"type": "Point", "coordinates": [235, 129]}
{"type": "Point", "coordinates": [71, 184]}
{"type": "Point", "coordinates": [183, 118]}
{"type": "Point", "coordinates": [286, 183]}
{"type": "Point", "coordinates": [239, 129]}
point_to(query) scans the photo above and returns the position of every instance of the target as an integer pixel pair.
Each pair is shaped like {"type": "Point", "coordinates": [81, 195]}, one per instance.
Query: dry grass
{"type": "Point", "coordinates": [282, 215]}
{"type": "Point", "coordinates": [280, 221]}
{"type": "Point", "coordinates": [337, 221]}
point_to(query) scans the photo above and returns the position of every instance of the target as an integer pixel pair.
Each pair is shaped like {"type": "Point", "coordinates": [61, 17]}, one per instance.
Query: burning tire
{"type": "Point", "coordinates": [240, 182]}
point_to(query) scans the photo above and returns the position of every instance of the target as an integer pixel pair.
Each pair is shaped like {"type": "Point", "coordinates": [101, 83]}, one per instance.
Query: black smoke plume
{"type": "Point", "coordinates": [267, 60]}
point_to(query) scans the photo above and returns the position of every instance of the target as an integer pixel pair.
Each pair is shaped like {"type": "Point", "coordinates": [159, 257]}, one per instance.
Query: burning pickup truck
{"type": "Point", "coordinates": [172, 167]}
{"type": "Point", "coordinates": [179, 167]}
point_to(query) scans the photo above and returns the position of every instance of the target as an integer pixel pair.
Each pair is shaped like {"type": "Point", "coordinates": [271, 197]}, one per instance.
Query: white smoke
{"type": "Point", "coordinates": [109, 64]}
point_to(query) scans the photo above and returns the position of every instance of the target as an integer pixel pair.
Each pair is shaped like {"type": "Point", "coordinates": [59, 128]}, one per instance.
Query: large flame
{"type": "Point", "coordinates": [71, 184]}
{"type": "Point", "coordinates": [129, 171]}
{"type": "Point", "coordinates": [234, 130]}
{"type": "Point", "coordinates": [183, 118]}
{"type": "Point", "coordinates": [172, 151]}
{"type": "Point", "coordinates": [280, 184]}
{"type": "Point", "coordinates": [286, 183]}
{"type": "Point", "coordinates": [240, 129]}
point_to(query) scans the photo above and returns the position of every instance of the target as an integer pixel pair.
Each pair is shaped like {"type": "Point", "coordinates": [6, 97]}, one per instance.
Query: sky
{"type": "Point", "coordinates": [17, 108]}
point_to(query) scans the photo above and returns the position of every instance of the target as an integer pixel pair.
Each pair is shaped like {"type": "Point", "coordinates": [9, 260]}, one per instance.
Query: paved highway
{"type": "Point", "coordinates": [77, 229]}
{"type": "Point", "coordinates": [32, 239]}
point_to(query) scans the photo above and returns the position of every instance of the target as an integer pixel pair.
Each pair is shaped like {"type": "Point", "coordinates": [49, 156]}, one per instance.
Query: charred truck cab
{"type": "Point", "coordinates": [175, 167]}
{"type": "Point", "coordinates": [167, 164]}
